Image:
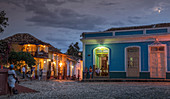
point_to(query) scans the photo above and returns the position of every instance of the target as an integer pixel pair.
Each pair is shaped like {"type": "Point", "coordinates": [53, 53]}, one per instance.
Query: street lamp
{"type": "Point", "coordinates": [60, 70]}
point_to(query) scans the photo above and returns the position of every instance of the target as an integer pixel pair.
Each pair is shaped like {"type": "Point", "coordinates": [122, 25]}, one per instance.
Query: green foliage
{"type": "Point", "coordinates": [3, 21]}
{"type": "Point", "coordinates": [74, 50]}
{"type": "Point", "coordinates": [4, 51]}
{"type": "Point", "coordinates": [17, 57]}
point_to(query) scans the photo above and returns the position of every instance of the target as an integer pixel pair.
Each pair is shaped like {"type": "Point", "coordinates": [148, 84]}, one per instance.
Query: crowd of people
{"type": "Point", "coordinates": [13, 79]}
{"type": "Point", "coordinates": [98, 72]}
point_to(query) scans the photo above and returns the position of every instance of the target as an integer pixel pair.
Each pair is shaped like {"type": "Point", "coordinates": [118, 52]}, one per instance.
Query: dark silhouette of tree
{"type": "Point", "coordinates": [17, 57]}
{"type": "Point", "coordinates": [4, 52]}
{"type": "Point", "coordinates": [74, 50]}
{"type": "Point", "coordinates": [3, 21]}
{"type": "Point", "coordinates": [4, 48]}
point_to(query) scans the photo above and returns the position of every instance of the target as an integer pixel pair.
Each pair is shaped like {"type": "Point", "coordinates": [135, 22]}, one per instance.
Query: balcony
{"type": "Point", "coordinates": [39, 54]}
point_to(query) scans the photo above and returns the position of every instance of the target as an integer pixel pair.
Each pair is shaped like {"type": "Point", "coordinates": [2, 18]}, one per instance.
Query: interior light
{"type": "Point", "coordinates": [60, 64]}
{"type": "Point", "coordinates": [101, 47]}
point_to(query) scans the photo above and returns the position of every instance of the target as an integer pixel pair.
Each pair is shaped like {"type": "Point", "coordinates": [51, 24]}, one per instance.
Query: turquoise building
{"type": "Point", "coordinates": [141, 52]}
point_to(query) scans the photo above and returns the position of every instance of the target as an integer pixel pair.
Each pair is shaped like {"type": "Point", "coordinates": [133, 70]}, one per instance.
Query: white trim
{"type": "Point", "coordinates": [139, 57]}
{"type": "Point", "coordinates": [113, 33]}
{"type": "Point", "coordinates": [165, 46]}
{"type": "Point", "coordinates": [168, 29]}
{"type": "Point", "coordinates": [123, 39]}
{"type": "Point", "coordinates": [144, 29]}
{"type": "Point", "coordinates": [94, 56]}
{"type": "Point", "coordinates": [84, 56]}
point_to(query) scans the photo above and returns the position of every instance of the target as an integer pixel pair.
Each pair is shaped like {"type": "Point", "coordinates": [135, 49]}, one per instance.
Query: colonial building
{"type": "Point", "coordinates": [50, 59]}
{"type": "Point", "coordinates": [129, 52]}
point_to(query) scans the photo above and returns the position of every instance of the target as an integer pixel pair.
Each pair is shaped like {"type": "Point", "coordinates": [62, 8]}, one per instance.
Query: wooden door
{"type": "Point", "coordinates": [132, 62]}
{"type": "Point", "coordinates": [157, 62]}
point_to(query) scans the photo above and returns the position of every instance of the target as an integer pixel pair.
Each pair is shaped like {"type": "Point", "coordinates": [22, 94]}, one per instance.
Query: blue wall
{"type": "Point", "coordinates": [98, 34]}
{"type": "Point", "coordinates": [117, 55]}
{"type": "Point", "coordinates": [129, 33]}
{"type": "Point", "coordinates": [155, 31]}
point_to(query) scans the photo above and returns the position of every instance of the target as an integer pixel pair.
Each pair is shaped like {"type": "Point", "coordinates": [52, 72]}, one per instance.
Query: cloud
{"type": "Point", "coordinates": [53, 39]}
{"type": "Point", "coordinates": [61, 41]}
{"type": "Point", "coordinates": [22, 3]}
{"type": "Point", "coordinates": [64, 18]}
{"type": "Point", "coordinates": [118, 23]}
{"type": "Point", "coordinates": [134, 19]}
{"type": "Point", "coordinates": [57, 17]}
{"type": "Point", "coordinates": [108, 3]}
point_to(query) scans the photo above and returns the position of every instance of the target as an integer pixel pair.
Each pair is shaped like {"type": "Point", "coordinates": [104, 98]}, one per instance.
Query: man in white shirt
{"type": "Point", "coordinates": [23, 71]}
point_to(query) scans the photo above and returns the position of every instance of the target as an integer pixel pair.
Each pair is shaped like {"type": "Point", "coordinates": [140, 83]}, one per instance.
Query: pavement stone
{"type": "Point", "coordinates": [60, 89]}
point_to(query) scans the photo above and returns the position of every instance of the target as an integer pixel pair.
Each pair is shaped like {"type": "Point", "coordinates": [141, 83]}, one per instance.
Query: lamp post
{"type": "Point", "coordinates": [60, 64]}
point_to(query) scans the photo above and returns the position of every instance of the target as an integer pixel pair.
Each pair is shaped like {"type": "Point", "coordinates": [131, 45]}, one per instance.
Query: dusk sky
{"type": "Point", "coordinates": [61, 22]}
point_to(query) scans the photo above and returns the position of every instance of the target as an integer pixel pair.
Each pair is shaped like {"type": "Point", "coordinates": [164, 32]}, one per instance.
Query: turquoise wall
{"type": "Point", "coordinates": [129, 33]}
{"type": "Point", "coordinates": [98, 34]}
{"type": "Point", "coordinates": [117, 55]}
{"type": "Point", "coordinates": [121, 33]}
{"type": "Point", "coordinates": [155, 31]}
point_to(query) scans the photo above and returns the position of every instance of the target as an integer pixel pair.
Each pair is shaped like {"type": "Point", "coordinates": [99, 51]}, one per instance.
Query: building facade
{"type": "Point", "coordinates": [141, 52]}
{"type": "Point", "coordinates": [48, 58]}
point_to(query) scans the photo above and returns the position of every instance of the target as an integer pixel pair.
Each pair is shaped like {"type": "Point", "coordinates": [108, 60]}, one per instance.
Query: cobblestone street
{"type": "Point", "coordinates": [94, 90]}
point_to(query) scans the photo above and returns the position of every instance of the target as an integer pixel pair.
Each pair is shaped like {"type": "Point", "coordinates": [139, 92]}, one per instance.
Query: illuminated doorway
{"type": "Point", "coordinates": [101, 61]}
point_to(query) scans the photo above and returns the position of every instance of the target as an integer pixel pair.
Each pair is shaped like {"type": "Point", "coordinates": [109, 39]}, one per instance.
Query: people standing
{"type": "Point", "coordinates": [23, 71]}
{"type": "Point", "coordinates": [40, 74]}
{"type": "Point", "coordinates": [11, 79]}
{"type": "Point", "coordinates": [90, 72]}
{"type": "Point", "coordinates": [85, 73]}
{"type": "Point", "coordinates": [97, 71]}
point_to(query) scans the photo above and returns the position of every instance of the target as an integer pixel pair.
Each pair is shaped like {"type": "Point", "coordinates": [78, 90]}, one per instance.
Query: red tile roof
{"type": "Point", "coordinates": [141, 27]}
{"type": "Point", "coordinates": [25, 38]}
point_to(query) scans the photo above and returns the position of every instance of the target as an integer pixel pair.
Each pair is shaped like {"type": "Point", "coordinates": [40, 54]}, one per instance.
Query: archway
{"type": "Point", "coordinates": [101, 61]}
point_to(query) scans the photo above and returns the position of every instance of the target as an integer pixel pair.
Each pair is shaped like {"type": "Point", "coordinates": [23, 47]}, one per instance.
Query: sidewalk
{"type": "Point", "coordinates": [22, 89]}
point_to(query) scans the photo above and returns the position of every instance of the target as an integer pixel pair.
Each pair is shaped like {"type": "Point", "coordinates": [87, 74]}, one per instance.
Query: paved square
{"type": "Point", "coordinates": [95, 90]}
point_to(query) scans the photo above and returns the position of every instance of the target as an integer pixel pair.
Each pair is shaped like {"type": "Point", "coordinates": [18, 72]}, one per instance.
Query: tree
{"type": "Point", "coordinates": [4, 48]}
{"type": "Point", "coordinates": [17, 58]}
{"type": "Point", "coordinates": [4, 52]}
{"type": "Point", "coordinates": [74, 50]}
{"type": "Point", "coordinates": [3, 21]}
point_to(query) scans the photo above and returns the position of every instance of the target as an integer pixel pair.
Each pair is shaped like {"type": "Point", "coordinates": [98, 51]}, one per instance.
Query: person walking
{"type": "Point", "coordinates": [90, 72]}
{"type": "Point", "coordinates": [23, 71]}
{"type": "Point", "coordinates": [11, 79]}
{"type": "Point", "coordinates": [40, 74]}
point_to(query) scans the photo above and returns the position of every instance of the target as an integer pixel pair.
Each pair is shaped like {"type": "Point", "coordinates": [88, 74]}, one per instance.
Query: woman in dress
{"type": "Point", "coordinates": [11, 79]}
{"type": "Point", "coordinates": [90, 72]}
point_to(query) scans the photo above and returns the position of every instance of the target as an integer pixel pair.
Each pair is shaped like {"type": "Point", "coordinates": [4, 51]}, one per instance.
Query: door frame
{"type": "Point", "coordinates": [126, 58]}
{"type": "Point", "coordinates": [165, 46]}
{"type": "Point", "coordinates": [94, 64]}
